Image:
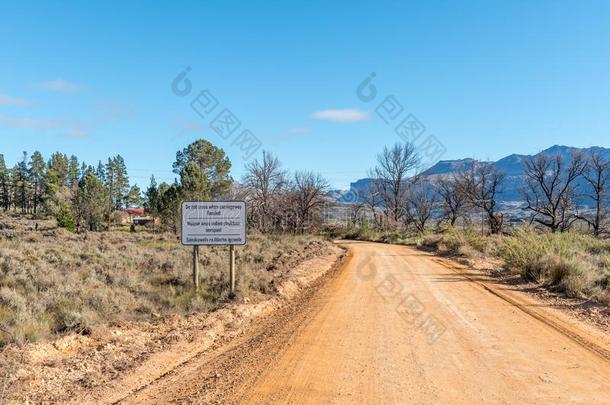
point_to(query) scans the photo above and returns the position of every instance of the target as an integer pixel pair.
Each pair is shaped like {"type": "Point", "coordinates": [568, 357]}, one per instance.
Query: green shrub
{"type": "Point", "coordinates": [574, 284]}
{"type": "Point", "coordinates": [33, 328]}
{"type": "Point", "coordinates": [431, 241]}
{"type": "Point", "coordinates": [65, 219]}
{"type": "Point", "coordinates": [563, 260]}
{"type": "Point", "coordinates": [68, 316]}
{"type": "Point", "coordinates": [462, 242]}
{"type": "Point", "coordinates": [556, 268]}
{"type": "Point", "coordinates": [603, 281]}
{"type": "Point", "coordinates": [453, 241]}
{"type": "Point", "coordinates": [478, 242]}
{"type": "Point", "coordinates": [523, 253]}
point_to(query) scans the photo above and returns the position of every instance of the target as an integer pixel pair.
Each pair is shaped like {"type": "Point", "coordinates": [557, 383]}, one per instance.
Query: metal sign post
{"type": "Point", "coordinates": [232, 270]}
{"type": "Point", "coordinates": [214, 223]}
{"type": "Point", "coordinates": [196, 267]}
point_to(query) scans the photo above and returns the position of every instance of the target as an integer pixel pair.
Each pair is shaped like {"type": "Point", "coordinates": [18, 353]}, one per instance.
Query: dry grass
{"type": "Point", "coordinates": [572, 263]}
{"type": "Point", "coordinates": [576, 264]}
{"type": "Point", "coordinates": [53, 281]}
{"type": "Point", "coordinates": [465, 242]}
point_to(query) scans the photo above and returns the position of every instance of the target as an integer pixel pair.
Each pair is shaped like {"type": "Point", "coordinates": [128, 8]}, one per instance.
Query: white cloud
{"type": "Point", "coordinates": [7, 100]}
{"type": "Point", "coordinates": [30, 123]}
{"type": "Point", "coordinates": [189, 126]}
{"type": "Point", "coordinates": [109, 111]}
{"type": "Point", "coordinates": [341, 115]}
{"type": "Point", "coordinates": [59, 85]}
{"type": "Point", "coordinates": [71, 128]}
{"type": "Point", "coordinates": [298, 130]}
{"type": "Point", "coordinates": [67, 128]}
{"type": "Point", "coordinates": [75, 133]}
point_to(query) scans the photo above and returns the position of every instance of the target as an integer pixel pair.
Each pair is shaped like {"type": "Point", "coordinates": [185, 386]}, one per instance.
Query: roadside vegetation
{"type": "Point", "coordinates": [71, 259]}
{"type": "Point", "coordinates": [54, 281]}
{"type": "Point", "coordinates": [67, 262]}
{"type": "Point", "coordinates": [576, 264]}
{"type": "Point", "coordinates": [572, 263]}
{"type": "Point", "coordinates": [562, 246]}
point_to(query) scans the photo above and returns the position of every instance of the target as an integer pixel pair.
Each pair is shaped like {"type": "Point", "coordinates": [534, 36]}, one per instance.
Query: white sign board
{"type": "Point", "coordinates": [213, 223]}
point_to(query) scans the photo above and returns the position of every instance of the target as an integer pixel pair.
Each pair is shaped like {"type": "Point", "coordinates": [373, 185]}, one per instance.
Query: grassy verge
{"type": "Point", "coordinates": [571, 263]}
{"type": "Point", "coordinates": [576, 264]}
{"type": "Point", "coordinates": [53, 281]}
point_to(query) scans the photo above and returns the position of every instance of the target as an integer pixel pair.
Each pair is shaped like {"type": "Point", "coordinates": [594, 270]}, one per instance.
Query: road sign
{"type": "Point", "coordinates": [213, 223]}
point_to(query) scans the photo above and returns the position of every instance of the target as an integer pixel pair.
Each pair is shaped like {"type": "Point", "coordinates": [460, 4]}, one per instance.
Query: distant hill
{"type": "Point", "coordinates": [511, 165]}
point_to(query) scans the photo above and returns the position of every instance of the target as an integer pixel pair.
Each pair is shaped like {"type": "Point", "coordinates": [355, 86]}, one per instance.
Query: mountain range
{"type": "Point", "coordinates": [511, 166]}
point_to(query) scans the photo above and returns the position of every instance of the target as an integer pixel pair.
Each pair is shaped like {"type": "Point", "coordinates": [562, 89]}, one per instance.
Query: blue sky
{"type": "Point", "coordinates": [486, 78]}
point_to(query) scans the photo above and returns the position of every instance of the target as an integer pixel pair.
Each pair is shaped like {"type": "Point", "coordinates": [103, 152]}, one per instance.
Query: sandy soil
{"type": "Point", "coordinates": [397, 325]}
{"type": "Point", "coordinates": [121, 357]}
{"type": "Point", "coordinates": [589, 311]}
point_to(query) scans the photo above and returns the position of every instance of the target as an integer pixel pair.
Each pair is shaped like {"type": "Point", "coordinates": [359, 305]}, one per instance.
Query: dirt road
{"type": "Point", "coordinates": [395, 325]}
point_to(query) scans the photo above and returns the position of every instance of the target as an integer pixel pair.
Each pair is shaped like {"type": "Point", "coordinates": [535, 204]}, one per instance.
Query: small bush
{"type": "Point", "coordinates": [65, 219]}
{"type": "Point", "coordinates": [68, 316]}
{"type": "Point", "coordinates": [574, 284]}
{"type": "Point", "coordinates": [12, 299]}
{"type": "Point", "coordinates": [431, 241]}
{"type": "Point", "coordinates": [556, 268]}
{"type": "Point", "coordinates": [63, 282]}
{"type": "Point", "coordinates": [464, 242]}
{"type": "Point", "coordinates": [569, 261]}
{"type": "Point", "coordinates": [33, 328]}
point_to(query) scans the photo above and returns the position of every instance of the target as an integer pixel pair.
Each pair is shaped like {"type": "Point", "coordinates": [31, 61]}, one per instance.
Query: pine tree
{"type": "Point", "coordinates": [73, 172]}
{"type": "Point", "coordinates": [151, 197]}
{"type": "Point", "coordinates": [117, 184]}
{"type": "Point", "coordinates": [169, 205]}
{"type": "Point", "coordinates": [37, 173]}
{"type": "Point", "coordinates": [212, 165]}
{"type": "Point", "coordinates": [5, 185]}
{"type": "Point", "coordinates": [15, 187]}
{"type": "Point", "coordinates": [101, 172]}
{"type": "Point", "coordinates": [21, 183]}
{"type": "Point", "coordinates": [110, 177]}
{"type": "Point", "coordinates": [121, 182]}
{"type": "Point", "coordinates": [195, 185]}
{"type": "Point", "coordinates": [89, 201]}
{"type": "Point", "coordinates": [57, 174]}
{"type": "Point", "coordinates": [134, 197]}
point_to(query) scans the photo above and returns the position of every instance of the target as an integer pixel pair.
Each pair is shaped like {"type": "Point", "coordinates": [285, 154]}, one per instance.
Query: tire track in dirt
{"type": "Point", "coordinates": [343, 341]}
{"type": "Point", "coordinates": [204, 376]}
{"type": "Point", "coordinates": [570, 333]}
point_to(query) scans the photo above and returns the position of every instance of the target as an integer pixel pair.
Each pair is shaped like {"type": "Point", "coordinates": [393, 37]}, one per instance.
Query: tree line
{"type": "Point", "coordinates": [83, 197]}
{"type": "Point", "coordinates": [277, 201]}
{"type": "Point", "coordinates": [554, 192]}
{"type": "Point", "coordinates": [74, 192]}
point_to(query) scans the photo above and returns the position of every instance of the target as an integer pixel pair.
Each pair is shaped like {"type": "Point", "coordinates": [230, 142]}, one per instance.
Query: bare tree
{"type": "Point", "coordinates": [356, 209]}
{"type": "Point", "coordinates": [480, 185]}
{"type": "Point", "coordinates": [597, 174]}
{"type": "Point", "coordinates": [373, 199]}
{"type": "Point", "coordinates": [265, 180]}
{"type": "Point", "coordinates": [550, 189]}
{"type": "Point", "coordinates": [391, 173]}
{"type": "Point", "coordinates": [307, 197]}
{"type": "Point", "coordinates": [453, 201]}
{"type": "Point", "coordinates": [419, 205]}
{"type": "Point", "coordinates": [237, 192]}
